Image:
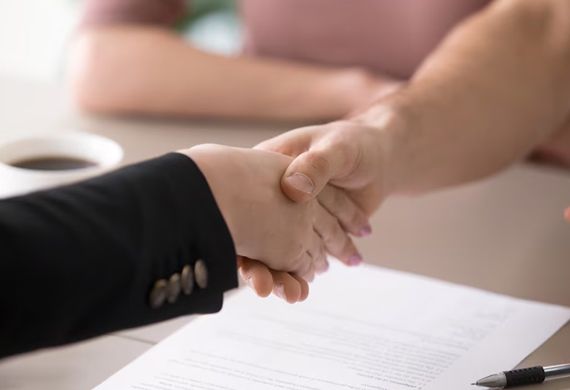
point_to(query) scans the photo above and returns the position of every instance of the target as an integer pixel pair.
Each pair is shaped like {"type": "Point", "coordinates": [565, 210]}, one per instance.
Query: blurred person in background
{"type": "Point", "coordinates": [301, 60]}
{"type": "Point", "coordinates": [320, 59]}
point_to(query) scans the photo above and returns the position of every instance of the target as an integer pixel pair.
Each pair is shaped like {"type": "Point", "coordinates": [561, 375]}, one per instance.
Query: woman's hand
{"type": "Point", "coordinates": [265, 225]}
{"type": "Point", "coordinates": [264, 280]}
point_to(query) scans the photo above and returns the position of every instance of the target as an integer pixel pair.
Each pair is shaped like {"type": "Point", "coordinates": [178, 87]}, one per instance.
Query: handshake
{"type": "Point", "coordinates": [292, 199]}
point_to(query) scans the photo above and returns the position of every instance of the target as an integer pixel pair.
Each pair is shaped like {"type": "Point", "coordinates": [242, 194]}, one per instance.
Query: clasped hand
{"type": "Point", "coordinates": [293, 199]}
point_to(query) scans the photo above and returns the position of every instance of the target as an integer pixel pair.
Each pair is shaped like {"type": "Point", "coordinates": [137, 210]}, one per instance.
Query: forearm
{"type": "Point", "coordinates": [89, 254]}
{"type": "Point", "coordinates": [498, 86]}
{"type": "Point", "coordinates": [149, 70]}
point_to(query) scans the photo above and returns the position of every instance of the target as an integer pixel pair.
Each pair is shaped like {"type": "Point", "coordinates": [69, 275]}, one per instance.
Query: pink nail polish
{"type": "Point", "coordinates": [279, 290]}
{"type": "Point", "coordinates": [354, 260]}
{"type": "Point", "coordinates": [365, 231]}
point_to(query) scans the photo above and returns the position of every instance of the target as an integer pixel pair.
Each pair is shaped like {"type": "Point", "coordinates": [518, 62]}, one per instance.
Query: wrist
{"type": "Point", "coordinates": [211, 163]}
{"type": "Point", "coordinates": [394, 125]}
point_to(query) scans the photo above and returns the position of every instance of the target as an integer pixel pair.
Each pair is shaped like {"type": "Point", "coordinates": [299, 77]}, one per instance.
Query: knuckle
{"type": "Point", "coordinates": [318, 162]}
{"type": "Point", "coordinates": [342, 142]}
{"type": "Point", "coordinates": [297, 252]}
{"type": "Point", "coordinates": [326, 232]}
{"type": "Point", "coordinates": [293, 256]}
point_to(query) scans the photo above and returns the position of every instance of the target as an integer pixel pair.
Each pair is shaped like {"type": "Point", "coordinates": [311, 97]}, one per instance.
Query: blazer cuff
{"type": "Point", "coordinates": [199, 218]}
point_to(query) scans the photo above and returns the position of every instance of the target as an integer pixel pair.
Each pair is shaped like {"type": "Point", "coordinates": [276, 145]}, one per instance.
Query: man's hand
{"type": "Point", "coordinates": [556, 149]}
{"type": "Point", "coordinates": [348, 155]}
{"type": "Point", "coordinates": [263, 223]}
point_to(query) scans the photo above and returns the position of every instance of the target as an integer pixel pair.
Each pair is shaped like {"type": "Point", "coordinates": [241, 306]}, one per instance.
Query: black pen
{"type": "Point", "coordinates": [524, 376]}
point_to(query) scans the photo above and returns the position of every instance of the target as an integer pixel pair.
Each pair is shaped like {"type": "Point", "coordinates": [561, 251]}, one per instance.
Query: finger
{"type": "Point", "coordinates": [257, 275]}
{"type": "Point", "coordinates": [335, 240]}
{"type": "Point", "coordinates": [307, 267]}
{"type": "Point", "coordinates": [286, 286]}
{"type": "Point", "coordinates": [316, 250]}
{"type": "Point", "coordinates": [291, 143]}
{"type": "Point", "coordinates": [337, 202]}
{"type": "Point", "coordinates": [323, 265]}
{"type": "Point", "coordinates": [304, 287]}
{"type": "Point", "coordinates": [319, 254]}
{"type": "Point", "coordinates": [312, 170]}
{"type": "Point", "coordinates": [567, 214]}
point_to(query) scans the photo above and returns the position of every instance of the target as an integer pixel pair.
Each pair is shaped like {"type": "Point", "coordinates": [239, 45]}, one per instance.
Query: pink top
{"type": "Point", "coordinates": [388, 36]}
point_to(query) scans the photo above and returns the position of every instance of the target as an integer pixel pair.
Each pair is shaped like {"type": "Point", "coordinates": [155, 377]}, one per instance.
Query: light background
{"type": "Point", "coordinates": [34, 34]}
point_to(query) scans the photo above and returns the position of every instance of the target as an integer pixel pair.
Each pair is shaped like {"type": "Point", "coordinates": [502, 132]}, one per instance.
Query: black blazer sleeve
{"type": "Point", "coordinates": [82, 260]}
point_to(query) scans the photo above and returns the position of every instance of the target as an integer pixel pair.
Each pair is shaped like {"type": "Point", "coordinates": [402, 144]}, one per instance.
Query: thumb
{"type": "Point", "coordinates": [309, 172]}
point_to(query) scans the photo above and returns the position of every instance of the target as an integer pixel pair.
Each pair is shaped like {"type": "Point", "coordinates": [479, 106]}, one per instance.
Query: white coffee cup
{"type": "Point", "coordinates": [103, 153]}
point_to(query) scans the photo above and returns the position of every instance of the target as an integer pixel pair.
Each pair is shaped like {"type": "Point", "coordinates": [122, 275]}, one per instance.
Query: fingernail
{"type": "Point", "coordinates": [323, 268]}
{"type": "Point", "coordinates": [248, 280]}
{"type": "Point", "coordinates": [301, 182]}
{"type": "Point", "coordinates": [355, 260]}
{"type": "Point", "coordinates": [365, 231]}
{"type": "Point", "coordinates": [279, 290]}
{"type": "Point", "coordinates": [243, 275]}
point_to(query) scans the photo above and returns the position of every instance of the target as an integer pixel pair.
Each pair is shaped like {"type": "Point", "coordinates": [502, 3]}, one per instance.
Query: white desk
{"type": "Point", "coordinates": [505, 234]}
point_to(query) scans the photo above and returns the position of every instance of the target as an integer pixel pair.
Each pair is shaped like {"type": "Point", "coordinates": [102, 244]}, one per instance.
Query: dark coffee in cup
{"type": "Point", "coordinates": [39, 162]}
{"type": "Point", "coordinates": [53, 163]}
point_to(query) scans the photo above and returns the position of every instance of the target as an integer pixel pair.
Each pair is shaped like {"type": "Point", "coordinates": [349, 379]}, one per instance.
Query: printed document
{"type": "Point", "coordinates": [364, 328]}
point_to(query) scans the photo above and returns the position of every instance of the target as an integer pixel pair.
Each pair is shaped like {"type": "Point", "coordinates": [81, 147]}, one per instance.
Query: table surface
{"type": "Point", "coordinates": [504, 234]}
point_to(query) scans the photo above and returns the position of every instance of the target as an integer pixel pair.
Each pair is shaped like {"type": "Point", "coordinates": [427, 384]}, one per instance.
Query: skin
{"type": "Point", "coordinates": [287, 239]}
{"type": "Point", "coordinates": [180, 80]}
{"type": "Point", "coordinates": [264, 280]}
{"type": "Point", "coordinates": [478, 101]}
{"type": "Point", "coordinates": [477, 105]}
{"type": "Point", "coordinates": [162, 74]}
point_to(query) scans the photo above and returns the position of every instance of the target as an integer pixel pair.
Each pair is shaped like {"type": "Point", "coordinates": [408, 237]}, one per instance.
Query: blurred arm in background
{"type": "Point", "coordinates": [126, 58]}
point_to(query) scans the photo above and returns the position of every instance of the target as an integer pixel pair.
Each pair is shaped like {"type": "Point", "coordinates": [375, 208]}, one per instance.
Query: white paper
{"type": "Point", "coordinates": [361, 328]}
